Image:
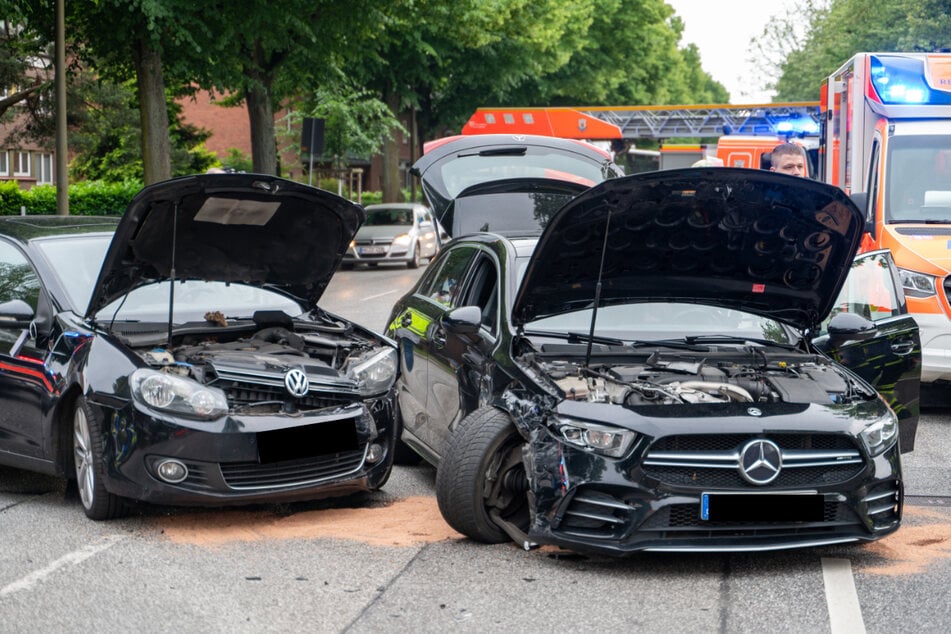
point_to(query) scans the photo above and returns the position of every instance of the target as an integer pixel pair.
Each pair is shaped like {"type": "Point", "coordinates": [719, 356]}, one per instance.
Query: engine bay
{"type": "Point", "coordinates": [676, 378]}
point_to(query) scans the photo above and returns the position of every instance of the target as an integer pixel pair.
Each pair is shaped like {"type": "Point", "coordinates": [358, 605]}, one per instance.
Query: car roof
{"type": "Point", "coordinates": [26, 228]}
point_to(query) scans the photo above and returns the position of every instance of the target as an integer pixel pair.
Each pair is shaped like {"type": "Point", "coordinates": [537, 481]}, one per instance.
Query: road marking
{"type": "Point", "coordinates": [845, 613]}
{"type": "Point", "coordinates": [366, 299]}
{"type": "Point", "coordinates": [70, 559]}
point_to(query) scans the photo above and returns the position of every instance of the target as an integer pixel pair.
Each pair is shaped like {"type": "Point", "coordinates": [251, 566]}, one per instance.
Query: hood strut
{"type": "Point", "coordinates": [171, 274]}
{"type": "Point", "coordinates": [597, 289]}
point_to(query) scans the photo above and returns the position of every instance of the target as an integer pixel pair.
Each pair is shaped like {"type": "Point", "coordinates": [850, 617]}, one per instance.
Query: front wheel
{"type": "Point", "coordinates": [481, 486]}
{"type": "Point", "coordinates": [414, 263]}
{"type": "Point", "coordinates": [98, 503]}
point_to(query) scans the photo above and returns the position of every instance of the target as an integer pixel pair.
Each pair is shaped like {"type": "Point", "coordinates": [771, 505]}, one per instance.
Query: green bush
{"type": "Point", "coordinates": [86, 198]}
{"type": "Point", "coordinates": [11, 198]}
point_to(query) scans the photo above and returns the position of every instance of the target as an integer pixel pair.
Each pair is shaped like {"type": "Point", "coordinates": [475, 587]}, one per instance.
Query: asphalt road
{"type": "Point", "coordinates": [387, 562]}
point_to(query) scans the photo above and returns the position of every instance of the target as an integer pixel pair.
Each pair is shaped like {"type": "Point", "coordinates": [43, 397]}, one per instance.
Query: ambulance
{"type": "Point", "coordinates": [886, 139]}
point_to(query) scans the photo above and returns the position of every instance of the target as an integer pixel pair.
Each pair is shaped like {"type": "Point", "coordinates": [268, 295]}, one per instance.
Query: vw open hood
{"type": "Point", "coordinates": [765, 243]}
{"type": "Point", "coordinates": [250, 228]}
{"type": "Point", "coordinates": [454, 164]}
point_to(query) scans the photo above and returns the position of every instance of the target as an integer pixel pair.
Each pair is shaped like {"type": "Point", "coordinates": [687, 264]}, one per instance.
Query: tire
{"type": "Point", "coordinates": [89, 465]}
{"type": "Point", "coordinates": [481, 473]}
{"type": "Point", "coordinates": [414, 263]}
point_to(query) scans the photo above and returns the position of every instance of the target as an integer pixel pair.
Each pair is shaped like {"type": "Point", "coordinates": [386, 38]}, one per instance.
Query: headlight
{"type": "Point", "coordinates": [401, 240]}
{"type": "Point", "coordinates": [602, 439]}
{"type": "Point", "coordinates": [881, 434]}
{"type": "Point", "coordinates": [177, 395]}
{"type": "Point", "coordinates": [376, 373]}
{"type": "Point", "coordinates": [916, 284]}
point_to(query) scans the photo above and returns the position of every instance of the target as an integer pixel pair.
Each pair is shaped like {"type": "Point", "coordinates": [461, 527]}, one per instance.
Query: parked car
{"type": "Point", "coordinates": [404, 233]}
{"type": "Point", "coordinates": [659, 371]}
{"type": "Point", "coordinates": [507, 183]}
{"type": "Point", "coordinates": [178, 355]}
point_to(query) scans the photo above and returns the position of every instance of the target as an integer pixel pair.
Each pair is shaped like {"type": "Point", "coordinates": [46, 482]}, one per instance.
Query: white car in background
{"type": "Point", "coordinates": [395, 232]}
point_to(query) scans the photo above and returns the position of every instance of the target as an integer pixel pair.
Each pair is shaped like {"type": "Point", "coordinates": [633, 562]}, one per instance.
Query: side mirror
{"type": "Point", "coordinates": [464, 320]}
{"type": "Point", "coordinates": [846, 326]}
{"type": "Point", "coordinates": [15, 312]}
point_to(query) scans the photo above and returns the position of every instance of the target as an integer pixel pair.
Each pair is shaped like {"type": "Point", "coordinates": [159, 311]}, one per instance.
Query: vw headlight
{"type": "Point", "coordinates": [881, 434]}
{"type": "Point", "coordinates": [602, 439]}
{"type": "Point", "coordinates": [375, 374]}
{"type": "Point", "coordinates": [401, 240]}
{"type": "Point", "coordinates": [177, 395]}
{"type": "Point", "coordinates": [917, 284]}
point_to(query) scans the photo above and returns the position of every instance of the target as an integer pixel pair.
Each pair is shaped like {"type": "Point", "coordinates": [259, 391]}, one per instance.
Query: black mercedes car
{"type": "Point", "coordinates": [682, 360]}
{"type": "Point", "coordinates": [178, 355]}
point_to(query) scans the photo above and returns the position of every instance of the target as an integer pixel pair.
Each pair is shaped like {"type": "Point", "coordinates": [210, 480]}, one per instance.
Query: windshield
{"type": "Point", "coordinates": [665, 320]}
{"type": "Point", "coordinates": [76, 261]}
{"type": "Point", "coordinates": [919, 179]}
{"type": "Point", "coordinates": [380, 217]}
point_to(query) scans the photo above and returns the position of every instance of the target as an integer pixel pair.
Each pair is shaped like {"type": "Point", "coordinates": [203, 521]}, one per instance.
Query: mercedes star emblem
{"type": "Point", "coordinates": [760, 461]}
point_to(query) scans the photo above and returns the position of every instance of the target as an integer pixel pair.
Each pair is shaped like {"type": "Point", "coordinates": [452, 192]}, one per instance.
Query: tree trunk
{"type": "Point", "coordinates": [261, 117]}
{"type": "Point", "coordinates": [153, 113]}
{"type": "Point", "coordinates": [391, 157]}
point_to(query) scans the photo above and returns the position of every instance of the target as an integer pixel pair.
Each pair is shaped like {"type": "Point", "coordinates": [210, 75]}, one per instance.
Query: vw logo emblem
{"type": "Point", "coordinates": [754, 411]}
{"type": "Point", "coordinates": [760, 461]}
{"type": "Point", "coordinates": [296, 382]}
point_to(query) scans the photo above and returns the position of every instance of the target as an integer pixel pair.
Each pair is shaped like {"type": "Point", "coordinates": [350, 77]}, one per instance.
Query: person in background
{"type": "Point", "coordinates": [788, 158]}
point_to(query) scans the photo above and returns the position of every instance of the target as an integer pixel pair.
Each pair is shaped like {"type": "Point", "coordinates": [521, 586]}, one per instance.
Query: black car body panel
{"type": "Point", "coordinates": [254, 392]}
{"type": "Point", "coordinates": [736, 430]}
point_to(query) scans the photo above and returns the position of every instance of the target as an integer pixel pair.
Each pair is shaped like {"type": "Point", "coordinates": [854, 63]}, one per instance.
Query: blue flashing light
{"type": "Point", "coordinates": [900, 80]}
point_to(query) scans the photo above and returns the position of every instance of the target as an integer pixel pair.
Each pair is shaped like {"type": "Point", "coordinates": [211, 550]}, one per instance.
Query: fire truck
{"type": "Point", "coordinates": [886, 139]}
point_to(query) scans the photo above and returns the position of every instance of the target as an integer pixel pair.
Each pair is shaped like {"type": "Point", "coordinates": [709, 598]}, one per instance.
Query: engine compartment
{"type": "Point", "coordinates": [675, 378]}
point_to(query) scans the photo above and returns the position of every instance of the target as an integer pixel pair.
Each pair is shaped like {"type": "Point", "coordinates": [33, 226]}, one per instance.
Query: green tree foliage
{"type": "Point", "coordinates": [837, 29]}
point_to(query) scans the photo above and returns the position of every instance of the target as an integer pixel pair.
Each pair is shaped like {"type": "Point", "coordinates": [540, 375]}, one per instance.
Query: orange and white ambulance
{"type": "Point", "coordinates": [886, 139]}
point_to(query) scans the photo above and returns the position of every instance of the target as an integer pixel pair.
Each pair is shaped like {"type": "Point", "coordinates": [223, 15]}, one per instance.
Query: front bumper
{"type": "Point", "coordinates": [249, 459]}
{"type": "Point", "coordinates": [380, 253]}
{"type": "Point", "coordinates": [590, 503]}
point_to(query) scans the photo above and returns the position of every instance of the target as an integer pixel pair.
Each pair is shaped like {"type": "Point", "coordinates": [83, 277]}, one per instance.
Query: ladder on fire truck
{"type": "Point", "coordinates": [650, 122]}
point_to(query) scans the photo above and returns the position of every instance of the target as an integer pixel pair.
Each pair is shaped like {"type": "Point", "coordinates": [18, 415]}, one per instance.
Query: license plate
{"type": "Point", "coordinates": [761, 507]}
{"type": "Point", "coordinates": [372, 250]}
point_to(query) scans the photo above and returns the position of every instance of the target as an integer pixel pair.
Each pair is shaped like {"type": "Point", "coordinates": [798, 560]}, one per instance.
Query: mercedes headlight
{"type": "Point", "coordinates": [915, 284]}
{"type": "Point", "coordinates": [374, 374]}
{"type": "Point", "coordinates": [177, 395]}
{"type": "Point", "coordinates": [603, 439]}
{"type": "Point", "coordinates": [881, 434]}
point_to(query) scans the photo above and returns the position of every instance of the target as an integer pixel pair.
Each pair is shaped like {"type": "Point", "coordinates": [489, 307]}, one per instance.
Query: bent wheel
{"type": "Point", "coordinates": [481, 484]}
{"type": "Point", "coordinates": [98, 503]}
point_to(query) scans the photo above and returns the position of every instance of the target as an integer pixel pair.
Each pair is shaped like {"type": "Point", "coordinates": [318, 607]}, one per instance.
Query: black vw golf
{"type": "Point", "coordinates": [665, 368]}
{"type": "Point", "coordinates": [178, 355]}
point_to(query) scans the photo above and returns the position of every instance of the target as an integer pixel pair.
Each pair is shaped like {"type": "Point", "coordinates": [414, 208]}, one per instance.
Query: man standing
{"type": "Point", "coordinates": [788, 158]}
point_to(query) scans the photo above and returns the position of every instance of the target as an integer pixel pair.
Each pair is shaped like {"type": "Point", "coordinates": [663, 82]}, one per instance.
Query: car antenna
{"type": "Point", "coordinates": [597, 289]}
{"type": "Point", "coordinates": [171, 274]}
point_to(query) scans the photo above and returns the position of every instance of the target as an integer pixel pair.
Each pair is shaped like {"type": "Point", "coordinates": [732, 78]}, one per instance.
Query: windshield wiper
{"type": "Point", "coordinates": [691, 339]}
{"type": "Point", "coordinates": [581, 337]}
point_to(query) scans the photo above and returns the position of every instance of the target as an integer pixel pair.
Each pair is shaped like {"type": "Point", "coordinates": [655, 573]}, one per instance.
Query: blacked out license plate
{"type": "Point", "coordinates": [761, 507]}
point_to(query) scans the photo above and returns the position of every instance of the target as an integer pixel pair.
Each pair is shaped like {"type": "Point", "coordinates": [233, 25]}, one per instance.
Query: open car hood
{"type": "Point", "coordinates": [249, 228]}
{"type": "Point", "coordinates": [774, 245]}
{"type": "Point", "coordinates": [452, 165]}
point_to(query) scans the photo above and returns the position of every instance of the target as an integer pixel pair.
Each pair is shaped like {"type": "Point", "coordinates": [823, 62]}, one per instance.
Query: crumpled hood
{"type": "Point", "coordinates": [250, 228]}
{"type": "Point", "coordinates": [765, 243]}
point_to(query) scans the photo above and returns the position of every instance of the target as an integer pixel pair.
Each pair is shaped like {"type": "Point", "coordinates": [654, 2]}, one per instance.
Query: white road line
{"type": "Point", "coordinates": [366, 299]}
{"type": "Point", "coordinates": [845, 613]}
{"type": "Point", "coordinates": [70, 559]}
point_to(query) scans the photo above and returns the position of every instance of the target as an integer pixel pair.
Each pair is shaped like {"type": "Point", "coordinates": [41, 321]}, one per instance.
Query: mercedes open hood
{"type": "Point", "coordinates": [250, 228]}
{"type": "Point", "coordinates": [765, 243]}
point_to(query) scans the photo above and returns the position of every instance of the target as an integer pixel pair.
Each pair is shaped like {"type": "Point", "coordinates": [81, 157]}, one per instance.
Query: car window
{"type": "Point", "coordinates": [484, 291]}
{"type": "Point", "coordinates": [76, 261]}
{"type": "Point", "coordinates": [386, 217]}
{"type": "Point", "coordinates": [444, 286]}
{"type": "Point", "coordinates": [869, 290]}
{"type": "Point", "coordinates": [18, 280]}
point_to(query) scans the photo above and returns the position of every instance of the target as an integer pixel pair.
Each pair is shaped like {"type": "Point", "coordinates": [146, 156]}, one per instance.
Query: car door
{"type": "Point", "coordinates": [458, 373]}
{"type": "Point", "coordinates": [414, 328]}
{"type": "Point", "coordinates": [887, 355]}
{"type": "Point", "coordinates": [26, 386]}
